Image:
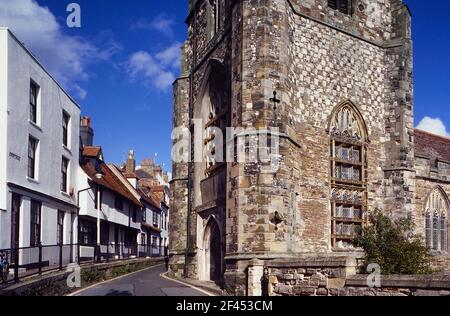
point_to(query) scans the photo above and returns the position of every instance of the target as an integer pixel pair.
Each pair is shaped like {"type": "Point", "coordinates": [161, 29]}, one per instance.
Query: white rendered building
{"type": "Point", "coordinates": [39, 154]}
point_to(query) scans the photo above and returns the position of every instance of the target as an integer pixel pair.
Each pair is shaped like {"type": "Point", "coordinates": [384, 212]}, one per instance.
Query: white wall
{"type": "Point", "coordinates": [17, 68]}
{"type": "Point", "coordinates": [4, 219]}
{"type": "Point", "coordinates": [165, 229]}
{"type": "Point", "coordinates": [53, 100]}
{"type": "Point", "coordinates": [109, 212]}
{"type": "Point", "coordinates": [159, 235]}
{"type": "Point", "coordinates": [49, 219]}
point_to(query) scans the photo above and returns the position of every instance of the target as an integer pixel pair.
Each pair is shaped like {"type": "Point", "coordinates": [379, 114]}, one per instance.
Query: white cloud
{"type": "Point", "coordinates": [161, 23]}
{"type": "Point", "coordinates": [171, 55]}
{"type": "Point", "coordinates": [79, 92]}
{"type": "Point", "coordinates": [434, 126]}
{"type": "Point", "coordinates": [142, 65]}
{"type": "Point", "coordinates": [65, 57]}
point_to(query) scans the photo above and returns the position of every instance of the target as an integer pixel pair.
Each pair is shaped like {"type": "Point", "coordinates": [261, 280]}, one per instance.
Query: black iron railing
{"type": "Point", "coordinates": [19, 263]}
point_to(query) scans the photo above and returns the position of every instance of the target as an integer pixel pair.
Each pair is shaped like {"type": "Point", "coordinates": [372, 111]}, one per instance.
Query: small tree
{"type": "Point", "coordinates": [392, 245]}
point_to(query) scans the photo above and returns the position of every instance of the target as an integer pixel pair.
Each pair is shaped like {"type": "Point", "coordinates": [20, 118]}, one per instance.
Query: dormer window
{"type": "Point", "coordinates": [343, 6]}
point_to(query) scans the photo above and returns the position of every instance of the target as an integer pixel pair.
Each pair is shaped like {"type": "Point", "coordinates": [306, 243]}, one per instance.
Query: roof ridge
{"type": "Point", "coordinates": [123, 182]}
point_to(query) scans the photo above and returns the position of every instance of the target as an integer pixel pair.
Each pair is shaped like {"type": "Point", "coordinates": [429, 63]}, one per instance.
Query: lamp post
{"type": "Point", "coordinates": [98, 215]}
{"type": "Point", "coordinates": [98, 175]}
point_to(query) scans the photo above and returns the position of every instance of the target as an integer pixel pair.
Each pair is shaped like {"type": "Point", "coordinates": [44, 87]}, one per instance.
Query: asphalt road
{"type": "Point", "coordinates": [143, 283]}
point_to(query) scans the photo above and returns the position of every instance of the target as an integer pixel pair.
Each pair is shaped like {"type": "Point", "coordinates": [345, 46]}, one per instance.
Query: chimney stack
{"type": "Point", "coordinates": [130, 166]}
{"type": "Point", "coordinates": [86, 132]}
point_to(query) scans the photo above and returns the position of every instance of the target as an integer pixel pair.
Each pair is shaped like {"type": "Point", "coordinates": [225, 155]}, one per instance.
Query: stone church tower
{"type": "Point", "coordinates": [343, 109]}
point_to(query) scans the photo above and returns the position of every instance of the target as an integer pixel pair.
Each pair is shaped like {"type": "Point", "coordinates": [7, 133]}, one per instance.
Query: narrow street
{"type": "Point", "coordinates": [145, 283]}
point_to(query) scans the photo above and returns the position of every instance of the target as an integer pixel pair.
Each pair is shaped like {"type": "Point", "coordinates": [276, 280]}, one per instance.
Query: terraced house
{"type": "Point", "coordinates": [342, 73]}
{"type": "Point", "coordinates": [39, 154]}
{"type": "Point", "coordinates": [118, 218]}
{"type": "Point", "coordinates": [147, 182]}
{"type": "Point", "coordinates": [60, 201]}
{"type": "Point", "coordinates": [110, 211]}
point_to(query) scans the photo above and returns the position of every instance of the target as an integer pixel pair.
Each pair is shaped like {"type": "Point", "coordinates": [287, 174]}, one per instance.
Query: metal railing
{"type": "Point", "coordinates": [30, 261]}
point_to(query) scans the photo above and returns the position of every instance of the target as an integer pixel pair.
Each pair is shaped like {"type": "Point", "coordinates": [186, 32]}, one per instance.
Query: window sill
{"type": "Point", "coordinates": [33, 180]}
{"type": "Point", "coordinates": [35, 125]}
{"type": "Point", "coordinates": [65, 194]}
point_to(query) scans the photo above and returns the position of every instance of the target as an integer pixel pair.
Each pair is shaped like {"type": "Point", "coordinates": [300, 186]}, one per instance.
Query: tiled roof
{"type": "Point", "coordinates": [158, 188]}
{"type": "Point", "coordinates": [109, 179]}
{"type": "Point", "coordinates": [432, 146]}
{"type": "Point", "coordinates": [91, 151]}
{"type": "Point", "coordinates": [158, 197]}
{"type": "Point", "coordinates": [129, 175]}
{"type": "Point", "coordinates": [142, 174]}
{"type": "Point", "coordinates": [148, 199]}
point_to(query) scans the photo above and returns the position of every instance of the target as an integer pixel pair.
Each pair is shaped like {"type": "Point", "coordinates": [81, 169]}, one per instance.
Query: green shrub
{"type": "Point", "coordinates": [118, 271]}
{"type": "Point", "coordinates": [393, 246]}
{"type": "Point", "coordinates": [92, 275]}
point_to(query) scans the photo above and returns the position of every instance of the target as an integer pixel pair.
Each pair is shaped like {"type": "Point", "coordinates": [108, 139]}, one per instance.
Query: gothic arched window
{"type": "Point", "coordinates": [348, 142]}
{"type": "Point", "coordinates": [436, 224]}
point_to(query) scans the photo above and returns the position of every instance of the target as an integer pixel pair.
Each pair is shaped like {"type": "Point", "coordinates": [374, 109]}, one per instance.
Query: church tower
{"type": "Point", "coordinates": [330, 83]}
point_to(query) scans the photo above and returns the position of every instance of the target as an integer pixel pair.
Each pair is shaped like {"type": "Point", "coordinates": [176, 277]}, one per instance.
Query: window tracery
{"type": "Point", "coordinates": [436, 221]}
{"type": "Point", "coordinates": [348, 164]}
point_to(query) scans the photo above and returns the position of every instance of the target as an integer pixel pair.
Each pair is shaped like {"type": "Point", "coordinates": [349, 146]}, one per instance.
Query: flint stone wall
{"type": "Point", "coordinates": [337, 277]}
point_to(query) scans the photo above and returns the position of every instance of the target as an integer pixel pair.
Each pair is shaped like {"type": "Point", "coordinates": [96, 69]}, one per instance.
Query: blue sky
{"type": "Point", "coordinates": [431, 35]}
{"type": "Point", "coordinates": [120, 64]}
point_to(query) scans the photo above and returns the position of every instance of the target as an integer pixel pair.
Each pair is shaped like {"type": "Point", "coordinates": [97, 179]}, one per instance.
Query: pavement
{"type": "Point", "coordinates": [148, 282]}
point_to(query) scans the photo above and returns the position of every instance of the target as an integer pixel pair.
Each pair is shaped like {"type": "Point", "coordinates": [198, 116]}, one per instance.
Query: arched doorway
{"type": "Point", "coordinates": [212, 115]}
{"type": "Point", "coordinates": [213, 252]}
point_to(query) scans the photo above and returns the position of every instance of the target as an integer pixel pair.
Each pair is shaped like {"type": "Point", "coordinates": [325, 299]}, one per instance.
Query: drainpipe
{"type": "Point", "coordinates": [191, 101]}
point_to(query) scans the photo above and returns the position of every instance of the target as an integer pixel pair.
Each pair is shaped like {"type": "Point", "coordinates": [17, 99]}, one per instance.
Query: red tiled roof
{"type": "Point", "coordinates": [148, 199]}
{"type": "Point", "coordinates": [91, 151]}
{"type": "Point", "coordinates": [158, 197]}
{"type": "Point", "coordinates": [158, 188]}
{"type": "Point", "coordinates": [143, 174]}
{"type": "Point", "coordinates": [432, 146]}
{"type": "Point", "coordinates": [129, 175]}
{"type": "Point", "coordinates": [109, 179]}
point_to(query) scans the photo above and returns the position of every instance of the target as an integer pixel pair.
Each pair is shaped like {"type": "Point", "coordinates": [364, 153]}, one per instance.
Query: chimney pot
{"type": "Point", "coordinates": [86, 121]}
